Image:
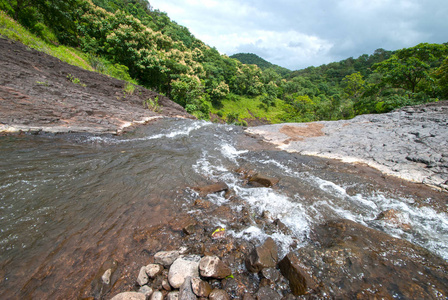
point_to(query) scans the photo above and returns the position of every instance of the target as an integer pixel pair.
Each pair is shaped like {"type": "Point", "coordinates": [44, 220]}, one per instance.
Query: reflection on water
{"type": "Point", "coordinates": [71, 203]}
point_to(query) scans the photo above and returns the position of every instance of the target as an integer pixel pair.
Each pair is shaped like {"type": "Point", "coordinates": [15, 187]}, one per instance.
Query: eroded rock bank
{"type": "Point", "coordinates": [39, 92]}
{"type": "Point", "coordinates": [410, 143]}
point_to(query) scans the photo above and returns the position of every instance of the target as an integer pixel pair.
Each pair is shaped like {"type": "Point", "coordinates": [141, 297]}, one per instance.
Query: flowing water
{"type": "Point", "coordinates": [71, 205]}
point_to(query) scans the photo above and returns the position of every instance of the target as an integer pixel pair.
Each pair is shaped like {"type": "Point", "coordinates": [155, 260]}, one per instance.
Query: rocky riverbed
{"type": "Point", "coordinates": [410, 143]}
{"type": "Point", "coordinates": [344, 260]}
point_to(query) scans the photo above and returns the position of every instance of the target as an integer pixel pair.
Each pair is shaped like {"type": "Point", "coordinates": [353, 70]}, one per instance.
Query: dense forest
{"type": "Point", "coordinates": [150, 49]}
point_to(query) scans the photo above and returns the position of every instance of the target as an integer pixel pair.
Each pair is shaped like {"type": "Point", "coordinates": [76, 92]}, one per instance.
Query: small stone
{"type": "Point", "coordinates": [106, 276]}
{"type": "Point", "coordinates": [182, 268]}
{"type": "Point", "coordinates": [129, 296]}
{"type": "Point", "coordinates": [152, 270]}
{"type": "Point", "coordinates": [264, 256]}
{"type": "Point", "coordinates": [166, 285]}
{"type": "Point", "coordinates": [248, 296]}
{"type": "Point", "coordinates": [172, 296]}
{"type": "Point", "coordinates": [142, 278]}
{"type": "Point", "coordinates": [189, 229]}
{"type": "Point", "coordinates": [185, 291]}
{"type": "Point", "coordinates": [157, 295]}
{"type": "Point", "coordinates": [146, 290]}
{"type": "Point", "coordinates": [271, 274]}
{"type": "Point", "coordinates": [212, 266]}
{"type": "Point", "coordinates": [392, 217]}
{"type": "Point", "coordinates": [204, 204]}
{"type": "Point", "coordinates": [217, 294]}
{"type": "Point", "coordinates": [266, 293]}
{"type": "Point", "coordinates": [201, 288]}
{"type": "Point", "coordinates": [166, 258]}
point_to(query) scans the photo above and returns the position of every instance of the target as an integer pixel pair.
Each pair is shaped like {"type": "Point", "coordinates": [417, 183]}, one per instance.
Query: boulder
{"type": "Point", "coordinates": [152, 270]}
{"type": "Point", "coordinates": [212, 266]}
{"type": "Point", "coordinates": [201, 288]}
{"type": "Point", "coordinates": [142, 278]}
{"type": "Point", "coordinates": [263, 180]}
{"type": "Point", "coordinates": [129, 296]}
{"type": "Point", "coordinates": [264, 256]}
{"type": "Point", "coordinates": [266, 293]}
{"type": "Point", "coordinates": [218, 294]}
{"type": "Point", "coordinates": [185, 291]}
{"type": "Point", "coordinates": [183, 267]}
{"type": "Point", "coordinates": [298, 278]}
{"type": "Point", "coordinates": [166, 258]}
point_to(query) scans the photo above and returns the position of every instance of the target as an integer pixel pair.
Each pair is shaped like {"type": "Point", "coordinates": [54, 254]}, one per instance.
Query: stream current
{"type": "Point", "coordinates": [72, 203]}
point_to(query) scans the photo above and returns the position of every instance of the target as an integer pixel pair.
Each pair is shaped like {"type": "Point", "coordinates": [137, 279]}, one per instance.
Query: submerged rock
{"type": "Point", "coordinates": [393, 218]}
{"type": "Point", "coordinates": [264, 256]}
{"type": "Point", "coordinates": [263, 180]}
{"type": "Point", "coordinates": [213, 188]}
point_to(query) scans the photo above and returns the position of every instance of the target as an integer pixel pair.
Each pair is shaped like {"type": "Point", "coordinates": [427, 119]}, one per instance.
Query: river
{"type": "Point", "coordinates": [74, 204]}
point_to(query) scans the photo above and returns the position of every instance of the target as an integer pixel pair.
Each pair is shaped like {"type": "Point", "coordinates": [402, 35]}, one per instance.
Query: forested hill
{"type": "Point", "coordinates": [143, 45]}
{"type": "Point", "coordinates": [253, 59]}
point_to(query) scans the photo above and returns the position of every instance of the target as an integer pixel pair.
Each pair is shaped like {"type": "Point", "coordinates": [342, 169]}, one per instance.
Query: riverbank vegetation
{"type": "Point", "coordinates": [133, 41]}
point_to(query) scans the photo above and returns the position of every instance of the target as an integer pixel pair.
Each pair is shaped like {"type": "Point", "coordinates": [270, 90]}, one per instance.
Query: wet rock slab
{"type": "Point", "coordinates": [410, 143]}
{"type": "Point", "coordinates": [37, 95]}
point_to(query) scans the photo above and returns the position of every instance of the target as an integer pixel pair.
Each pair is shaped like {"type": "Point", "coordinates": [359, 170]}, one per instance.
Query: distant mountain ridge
{"type": "Point", "coordinates": [253, 59]}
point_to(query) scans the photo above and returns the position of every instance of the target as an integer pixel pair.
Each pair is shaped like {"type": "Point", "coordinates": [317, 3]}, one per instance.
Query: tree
{"type": "Point", "coordinates": [410, 66]}
{"type": "Point", "coordinates": [354, 85]}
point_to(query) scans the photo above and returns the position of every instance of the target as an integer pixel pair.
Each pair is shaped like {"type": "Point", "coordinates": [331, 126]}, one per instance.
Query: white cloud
{"type": "Point", "coordinates": [300, 33]}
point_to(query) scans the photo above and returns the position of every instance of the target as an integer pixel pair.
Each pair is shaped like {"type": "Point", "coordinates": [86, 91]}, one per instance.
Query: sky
{"type": "Point", "coordinates": [296, 34]}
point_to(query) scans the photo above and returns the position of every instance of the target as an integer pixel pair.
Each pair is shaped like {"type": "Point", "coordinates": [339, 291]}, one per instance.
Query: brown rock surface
{"type": "Point", "coordinates": [37, 95]}
{"type": "Point", "coordinates": [351, 261]}
{"type": "Point", "coordinates": [264, 256]}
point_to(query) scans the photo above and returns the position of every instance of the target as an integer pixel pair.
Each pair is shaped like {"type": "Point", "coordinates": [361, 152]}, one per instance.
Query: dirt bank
{"type": "Point", "coordinates": [39, 92]}
{"type": "Point", "coordinates": [410, 143]}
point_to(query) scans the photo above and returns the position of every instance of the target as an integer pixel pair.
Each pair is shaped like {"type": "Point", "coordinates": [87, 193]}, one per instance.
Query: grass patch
{"type": "Point", "coordinates": [241, 105]}
{"type": "Point", "coordinates": [10, 29]}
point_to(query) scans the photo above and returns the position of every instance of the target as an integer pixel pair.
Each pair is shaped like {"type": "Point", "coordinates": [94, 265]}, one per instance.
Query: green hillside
{"type": "Point", "coordinates": [131, 39]}
{"type": "Point", "coordinates": [253, 59]}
